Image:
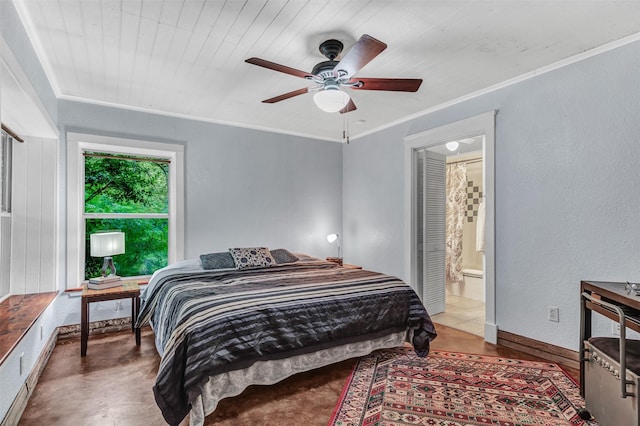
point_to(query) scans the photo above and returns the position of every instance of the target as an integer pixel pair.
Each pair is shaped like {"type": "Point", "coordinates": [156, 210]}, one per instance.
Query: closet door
{"type": "Point", "coordinates": [431, 238]}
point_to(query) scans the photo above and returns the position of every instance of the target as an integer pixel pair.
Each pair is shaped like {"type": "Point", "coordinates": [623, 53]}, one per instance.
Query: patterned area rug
{"type": "Point", "coordinates": [395, 387]}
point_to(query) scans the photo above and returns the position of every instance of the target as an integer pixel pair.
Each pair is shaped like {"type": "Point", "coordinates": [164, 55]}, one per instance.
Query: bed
{"type": "Point", "coordinates": [222, 325]}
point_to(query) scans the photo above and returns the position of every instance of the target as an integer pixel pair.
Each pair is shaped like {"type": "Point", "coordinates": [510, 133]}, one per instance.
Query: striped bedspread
{"type": "Point", "coordinates": [210, 321]}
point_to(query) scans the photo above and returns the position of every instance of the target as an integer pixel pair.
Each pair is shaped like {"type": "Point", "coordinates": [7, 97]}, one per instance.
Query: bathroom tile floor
{"type": "Point", "coordinates": [463, 314]}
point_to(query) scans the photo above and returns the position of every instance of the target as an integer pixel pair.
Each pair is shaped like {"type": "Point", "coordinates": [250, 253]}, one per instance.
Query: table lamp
{"type": "Point", "coordinates": [331, 238]}
{"type": "Point", "coordinates": [107, 244]}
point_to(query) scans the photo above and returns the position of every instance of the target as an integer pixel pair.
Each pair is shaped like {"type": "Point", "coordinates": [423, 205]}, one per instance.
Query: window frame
{"type": "Point", "coordinates": [6, 175]}
{"type": "Point", "coordinates": [78, 144]}
{"type": "Point", "coordinates": [6, 179]}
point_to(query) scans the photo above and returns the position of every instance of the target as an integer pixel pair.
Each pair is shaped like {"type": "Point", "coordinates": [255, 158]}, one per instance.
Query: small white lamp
{"type": "Point", "coordinates": [331, 238]}
{"type": "Point", "coordinates": [107, 244]}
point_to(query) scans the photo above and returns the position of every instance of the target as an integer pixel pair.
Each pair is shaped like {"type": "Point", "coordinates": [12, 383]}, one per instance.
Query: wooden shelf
{"type": "Point", "coordinates": [631, 322]}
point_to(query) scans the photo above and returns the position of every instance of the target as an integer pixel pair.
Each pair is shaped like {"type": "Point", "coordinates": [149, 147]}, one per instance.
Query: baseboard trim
{"type": "Point", "coordinates": [22, 398]}
{"type": "Point", "coordinates": [490, 332]}
{"type": "Point", "coordinates": [546, 351]}
{"type": "Point", "coordinates": [95, 327]}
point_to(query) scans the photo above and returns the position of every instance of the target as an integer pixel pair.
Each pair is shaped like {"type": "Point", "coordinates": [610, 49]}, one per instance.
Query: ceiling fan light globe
{"type": "Point", "coordinates": [331, 100]}
{"type": "Point", "coordinates": [452, 146]}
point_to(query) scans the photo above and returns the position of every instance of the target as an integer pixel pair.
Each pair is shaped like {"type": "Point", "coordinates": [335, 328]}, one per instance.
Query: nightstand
{"type": "Point", "coordinates": [128, 290]}
{"type": "Point", "coordinates": [350, 266]}
{"type": "Point", "coordinates": [337, 260]}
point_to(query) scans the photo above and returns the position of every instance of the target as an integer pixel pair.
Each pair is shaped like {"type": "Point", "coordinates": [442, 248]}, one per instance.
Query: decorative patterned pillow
{"type": "Point", "coordinates": [283, 256]}
{"type": "Point", "coordinates": [251, 257]}
{"type": "Point", "coordinates": [220, 260]}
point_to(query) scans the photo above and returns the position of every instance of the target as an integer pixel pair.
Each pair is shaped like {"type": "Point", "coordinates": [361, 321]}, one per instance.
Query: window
{"type": "Point", "coordinates": [6, 151]}
{"type": "Point", "coordinates": [123, 185]}
{"type": "Point", "coordinates": [128, 194]}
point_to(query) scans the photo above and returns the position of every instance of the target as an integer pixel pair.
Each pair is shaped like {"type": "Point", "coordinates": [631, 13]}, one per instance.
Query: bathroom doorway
{"type": "Point", "coordinates": [440, 283]}
{"type": "Point", "coordinates": [465, 231]}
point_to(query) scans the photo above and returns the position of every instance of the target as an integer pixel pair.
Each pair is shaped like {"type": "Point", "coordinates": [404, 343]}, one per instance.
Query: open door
{"type": "Point", "coordinates": [430, 287]}
{"type": "Point", "coordinates": [431, 229]}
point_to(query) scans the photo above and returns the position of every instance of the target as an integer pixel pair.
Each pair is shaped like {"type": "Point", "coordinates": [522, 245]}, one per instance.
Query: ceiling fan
{"type": "Point", "coordinates": [330, 76]}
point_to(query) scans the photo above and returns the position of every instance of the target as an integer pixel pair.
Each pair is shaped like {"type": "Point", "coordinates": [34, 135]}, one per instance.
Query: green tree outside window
{"type": "Point", "coordinates": [128, 194]}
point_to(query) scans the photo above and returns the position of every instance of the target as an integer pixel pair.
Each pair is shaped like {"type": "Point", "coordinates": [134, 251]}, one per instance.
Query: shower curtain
{"type": "Point", "coordinates": [455, 208]}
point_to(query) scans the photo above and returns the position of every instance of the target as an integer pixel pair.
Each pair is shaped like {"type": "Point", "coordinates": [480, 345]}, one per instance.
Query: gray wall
{"type": "Point", "coordinates": [243, 187]}
{"type": "Point", "coordinates": [567, 153]}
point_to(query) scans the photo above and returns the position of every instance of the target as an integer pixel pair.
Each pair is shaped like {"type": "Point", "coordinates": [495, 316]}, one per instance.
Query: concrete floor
{"type": "Point", "coordinates": [112, 386]}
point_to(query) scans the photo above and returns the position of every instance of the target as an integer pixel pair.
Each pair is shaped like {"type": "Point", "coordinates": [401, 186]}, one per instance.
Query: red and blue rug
{"type": "Point", "coordinates": [395, 387]}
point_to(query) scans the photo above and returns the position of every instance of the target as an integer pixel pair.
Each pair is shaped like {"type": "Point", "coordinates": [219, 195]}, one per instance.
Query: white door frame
{"type": "Point", "coordinates": [482, 124]}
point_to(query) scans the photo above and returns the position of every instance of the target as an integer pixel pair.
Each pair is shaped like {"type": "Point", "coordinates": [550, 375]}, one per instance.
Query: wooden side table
{"type": "Point", "coordinates": [351, 266]}
{"type": "Point", "coordinates": [128, 290]}
{"type": "Point", "coordinates": [338, 260]}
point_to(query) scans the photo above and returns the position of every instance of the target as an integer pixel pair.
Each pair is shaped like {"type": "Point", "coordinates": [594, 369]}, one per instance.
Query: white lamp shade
{"type": "Point", "coordinates": [107, 244]}
{"type": "Point", "coordinates": [332, 237]}
{"type": "Point", "coordinates": [331, 99]}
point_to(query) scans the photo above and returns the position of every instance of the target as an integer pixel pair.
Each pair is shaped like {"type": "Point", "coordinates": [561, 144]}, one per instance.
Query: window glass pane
{"type": "Point", "coordinates": [115, 185]}
{"type": "Point", "coordinates": [5, 172]}
{"type": "Point", "coordinates": [146, 248]}
{"type": "Point", "coordinates": [2, 167]}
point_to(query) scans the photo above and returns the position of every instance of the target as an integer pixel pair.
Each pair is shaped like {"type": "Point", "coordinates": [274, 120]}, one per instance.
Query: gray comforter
{"type": "Point", "coordinates": [210, 321]}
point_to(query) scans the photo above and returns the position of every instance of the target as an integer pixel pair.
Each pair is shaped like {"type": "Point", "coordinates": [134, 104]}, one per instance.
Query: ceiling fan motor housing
{"type": "Point", "coordinates": [324, 67]}
{"type": "Point", "coordinates": [331, 48]}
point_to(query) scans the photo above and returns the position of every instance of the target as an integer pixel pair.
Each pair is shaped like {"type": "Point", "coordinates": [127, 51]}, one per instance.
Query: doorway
{"type": "Point", "coordinates": [464, 307]}
{"type": "Point", "coordinates": [425, 233]}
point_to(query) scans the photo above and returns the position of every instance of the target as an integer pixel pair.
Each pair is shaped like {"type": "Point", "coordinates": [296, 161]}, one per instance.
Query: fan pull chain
{"type": "Point", "coordinates": [345, 128]}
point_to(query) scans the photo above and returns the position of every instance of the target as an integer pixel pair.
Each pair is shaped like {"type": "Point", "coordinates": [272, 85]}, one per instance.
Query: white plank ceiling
{"type": "Point", "coordinates": [186, 57]}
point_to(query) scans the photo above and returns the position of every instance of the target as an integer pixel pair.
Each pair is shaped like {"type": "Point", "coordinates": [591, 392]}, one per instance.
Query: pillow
{"type": "Point", "coordinates": [251, 257]}
{"type": "Point", "coordinates": [184, 264]}
{"type": "Point", "coordinates": [221, 260]}
{"type": "Point", "coordinates": [283, 256]}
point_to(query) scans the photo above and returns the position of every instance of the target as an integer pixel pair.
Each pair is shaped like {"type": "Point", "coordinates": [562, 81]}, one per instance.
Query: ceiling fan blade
{"type": "Point", "coordinates": [360, 55]}
{"type": "Point", "coordinates": [277, 67]}
{"type": "Point", "coordinates": [349, 107]}
{"type": "Point", "coordinates": [286, 96]}
{"type": "Point", "coordinates": [391, 84]}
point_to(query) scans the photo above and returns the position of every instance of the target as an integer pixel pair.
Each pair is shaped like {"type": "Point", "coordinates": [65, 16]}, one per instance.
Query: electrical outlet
{"type": "Point", "coordinates": [615, 328]}
{"type": "Point", "coordinates": [554, 314]}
